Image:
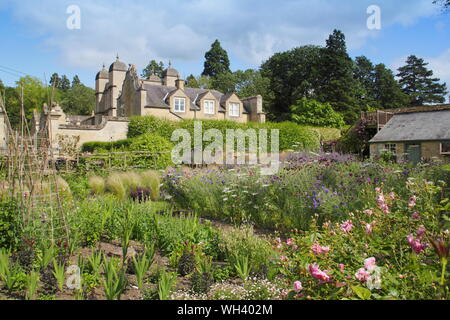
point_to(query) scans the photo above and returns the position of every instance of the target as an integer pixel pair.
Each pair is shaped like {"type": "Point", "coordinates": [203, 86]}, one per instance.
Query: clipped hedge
{"type": "Point", "coordinates": [95, 146]}
{"type": "Point", "coordinates": [292, 136]}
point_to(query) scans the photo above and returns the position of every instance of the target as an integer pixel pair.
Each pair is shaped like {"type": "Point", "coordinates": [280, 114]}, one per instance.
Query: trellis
{"type": "Point", "coordinates": [32, 182]}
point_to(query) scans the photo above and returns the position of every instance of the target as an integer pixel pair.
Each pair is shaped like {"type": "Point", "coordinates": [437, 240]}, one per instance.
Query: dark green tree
{"type": "Point", "coordinates": [291, 75]}
{"type": "Point", "coordinates": [216, 61]}
{"type": "Point", "coordinates": [153, 67]}
{"type": "Point", "coordinates": [224, 82]}
{"type": "Point", "coordinates": [387, 92]}
{"type": "Point", "coordinates": [55, 80]}
{"type": "Point", "coordinates": [418, 83]}
{"type": "Point", "coordinates": [79, 100]}
{"type": "Point", "coordinates": [337, 85]}
{"type": "Point", "coordinates": [75, 81]}
{"type": "Point", "coordinates": [64, 84]}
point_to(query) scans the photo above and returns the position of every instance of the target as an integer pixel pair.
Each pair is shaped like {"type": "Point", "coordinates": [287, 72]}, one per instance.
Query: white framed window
{"type": "Point", "coordinates": [209, 106]}
{"type": "Point", "coordinates": [391, 147]}
{"type": "Point", "coordinates": [234, 109]}
{"type": "Point", "coordinates": [445, 147]}
{"type": "Point", "coordinates": [180, 105]}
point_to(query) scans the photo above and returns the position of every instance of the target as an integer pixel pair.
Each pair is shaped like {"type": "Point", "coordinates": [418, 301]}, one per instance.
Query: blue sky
{"type": "Point", "coordinates": [36, 41]}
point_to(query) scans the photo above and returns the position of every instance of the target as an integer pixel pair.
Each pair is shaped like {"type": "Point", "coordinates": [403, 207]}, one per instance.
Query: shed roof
{"type": "Point", "coordinates": [418, 126]}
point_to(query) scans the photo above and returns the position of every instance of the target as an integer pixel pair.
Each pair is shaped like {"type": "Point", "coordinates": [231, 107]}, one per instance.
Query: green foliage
{"type": "Point", "coordinates": [32, 284]}
{"type": "Point", "coordinates": [114, 281]}
{"type": "Point", "coordinates": [314, 113]}
{"type": "Point", "coordinates": [97, 185]}
{"type": "Point", "coordinates": [78, 100]}
{"type": "Point", "coordinates": [242, 267]}
{"type": "Point", "coordinates": [142, 265]}
{"type": "Point", "coordinates": [58, 273]}
{"type": "Point", "coordinates": [160, 158]}
{"type": "Point", "coordinates": [10, 228]}
{"type": "Point", "coordinates": [165, 284]}
{"type": "Point", "coordinates": [149, 124]}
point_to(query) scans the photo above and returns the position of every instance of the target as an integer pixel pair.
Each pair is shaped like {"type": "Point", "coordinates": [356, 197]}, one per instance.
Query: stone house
{"type": "Point", "coordinates": [120, 94]}
{"type": "Point", "coordinates": [415, 134]}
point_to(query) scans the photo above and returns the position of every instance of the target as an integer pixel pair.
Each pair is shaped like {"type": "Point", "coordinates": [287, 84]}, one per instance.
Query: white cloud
{"type": "Point", "coordinates": [183, 30]}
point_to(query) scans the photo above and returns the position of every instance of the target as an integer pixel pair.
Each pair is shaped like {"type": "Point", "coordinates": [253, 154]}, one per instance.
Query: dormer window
{"type": "Point", "coordinates": [180, 105]}
{"type": "Point", "coordinates": [234, 109]}
{"type": "Point", "coordinates": [209, 106]}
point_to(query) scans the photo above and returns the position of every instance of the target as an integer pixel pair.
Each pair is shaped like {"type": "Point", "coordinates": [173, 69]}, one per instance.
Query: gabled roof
{"type": "Point", "coordinates": [418, 126]}
{"type": "Point", "coordinates": [158, 94]}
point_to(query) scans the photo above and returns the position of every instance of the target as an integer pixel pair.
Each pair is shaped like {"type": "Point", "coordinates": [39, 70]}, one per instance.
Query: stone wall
{"type": "Point", "coordinates": [429, 150]}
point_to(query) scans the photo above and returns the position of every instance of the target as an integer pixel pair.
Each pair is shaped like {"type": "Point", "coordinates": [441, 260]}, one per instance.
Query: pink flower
{"type": "Point", "coordinates": [342, 267]}
{"type": "Point", "coordinates": [317, 249]}
{"type": "Point", "coordinates": [380, 199]}
{"type": "Point", "coordinates": [378, 189]}
{"type": "Point", "coordinates": [370, 263]}
{"type": "Point", "coordinates": [320, 275]}
{"type": "Point", "coordinates": [362, 275]}
{"type": "Point", "coordinates": [392, 195]}
{"type": "Point", "coordinates": [385, 208]}
{"type": "Point", "coordinates": [368, 212]}
{"type": "Point", "coordinates": [415, 215]}
{"type": "Point", "coordinates": [298, 286]}
{"type": "Point", "coordinates": [421, 231]}
{"type": "Point", "coordinates": [347, 226]}
{"type": "Point", "coordinates": [369, 228]}
{"type": "Point", "coordinates": [417, 246]}
{"type": "Point", "coordinates": [289, 242]}
{"type": "Point", "coordinates": [412, 202]}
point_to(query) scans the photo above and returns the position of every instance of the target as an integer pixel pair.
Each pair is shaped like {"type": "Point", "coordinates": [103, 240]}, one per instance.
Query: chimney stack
{"type": "Point", "coordinates": [179, 84]}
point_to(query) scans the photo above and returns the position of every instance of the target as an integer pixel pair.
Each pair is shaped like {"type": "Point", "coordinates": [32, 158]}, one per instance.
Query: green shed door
{"type": "Point", "coordinates": [414, 152]}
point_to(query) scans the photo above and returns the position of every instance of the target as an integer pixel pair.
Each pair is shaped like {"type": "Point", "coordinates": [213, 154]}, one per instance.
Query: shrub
{"type": "Point", "coordinates": [314, 113]}
{"type": "Point", "coordinates": [150, 180]}
{"type": "Point", "coordinates": [115, 185]}
{"type": "Point", "coordinates": [97, 184]}
{"type": "Point", "coordinates": [149, 124]}
{"type": "Point", "coordinates": [10, 229]}
{"type": "Point", "coordinates": [161, 151]}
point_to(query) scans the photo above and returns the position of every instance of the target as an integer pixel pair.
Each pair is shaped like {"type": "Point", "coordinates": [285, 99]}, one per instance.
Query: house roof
{"type": "Point", "coordinates": [157, 96]}
{"type": "Point", "coordinates": [418, 126]}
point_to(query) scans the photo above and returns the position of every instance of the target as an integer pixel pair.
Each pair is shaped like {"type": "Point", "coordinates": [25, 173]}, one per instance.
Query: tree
{"type": "Point", "coordinates": [291, 75]}
{"type": "Point", "coordinates": [153, 68]}
{"type": "Point", "coordinates": [418, 83]}
{"type": "Point", "coordinates": [64, 85]}
{"type": "Point", "coordinates": [444, 3]}
{"type": "Point", "coordinates": [379, 89]}
{"type": "Point", "coordinates": [337, 85]}
{"type": "Point", "coordinates": [314, 113]}
{"type": "Point", "coordinates": [191, 82]}
{"type": "Point", "coordinates": [224, 82]}
{"type": "Point", "coordinates": [75, 81]}
{"type": "Point", "coordinates": [387, 92]}
{"type": "Point", "coordinates": [216, 61]}
{"type": "Point", "coordinates": [55, 80]}
{"type": "Point", "coordinates": [79, 100]}
{"type": "Point", "coordinates": [35, 94]}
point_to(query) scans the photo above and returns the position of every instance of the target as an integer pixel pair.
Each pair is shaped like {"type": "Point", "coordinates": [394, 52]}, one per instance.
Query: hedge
{"type": "Point", "coordinates": [292, 136]}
